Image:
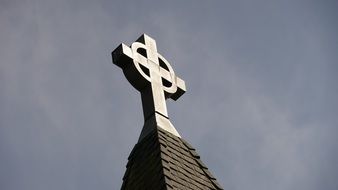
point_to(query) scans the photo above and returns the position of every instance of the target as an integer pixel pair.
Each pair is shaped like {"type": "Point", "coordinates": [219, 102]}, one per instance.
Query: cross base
{"type": "Point", "coordinates": [157, 120]}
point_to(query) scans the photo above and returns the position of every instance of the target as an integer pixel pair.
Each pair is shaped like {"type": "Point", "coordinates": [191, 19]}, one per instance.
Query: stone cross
{"type": "Point", "coordinates": [151, 74]}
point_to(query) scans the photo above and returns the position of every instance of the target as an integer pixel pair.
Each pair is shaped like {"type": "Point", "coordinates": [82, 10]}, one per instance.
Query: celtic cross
{"type": "Point", "coordinates": [151, 74]}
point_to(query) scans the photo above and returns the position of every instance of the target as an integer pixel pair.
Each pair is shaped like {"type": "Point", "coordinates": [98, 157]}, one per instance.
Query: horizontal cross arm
{"type": "Point", "coordinates": [122, 55]}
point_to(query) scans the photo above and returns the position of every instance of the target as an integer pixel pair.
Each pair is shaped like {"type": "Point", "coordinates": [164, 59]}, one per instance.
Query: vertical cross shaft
{"type": "Point", "coordinates": [153, 99]}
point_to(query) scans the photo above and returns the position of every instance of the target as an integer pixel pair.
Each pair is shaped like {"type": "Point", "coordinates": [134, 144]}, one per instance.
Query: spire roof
{"type": "Point", "coordinates": [163, 161]}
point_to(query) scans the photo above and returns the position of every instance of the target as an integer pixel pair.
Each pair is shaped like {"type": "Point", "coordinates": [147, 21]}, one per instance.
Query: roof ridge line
{"type": "Point", "coordinates": [204, 168]}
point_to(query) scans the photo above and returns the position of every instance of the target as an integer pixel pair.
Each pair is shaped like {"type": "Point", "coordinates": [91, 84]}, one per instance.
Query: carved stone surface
{"type": "Point", "coordinates": [152, 75]}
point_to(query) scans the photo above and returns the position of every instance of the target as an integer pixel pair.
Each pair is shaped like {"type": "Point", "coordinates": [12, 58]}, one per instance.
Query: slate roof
{"type": "Point", "coordinates": [162, 161]}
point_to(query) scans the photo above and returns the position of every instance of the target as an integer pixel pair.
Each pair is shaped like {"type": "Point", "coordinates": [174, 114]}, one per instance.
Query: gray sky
{"type": "Point", "coordinates": [260, 108]}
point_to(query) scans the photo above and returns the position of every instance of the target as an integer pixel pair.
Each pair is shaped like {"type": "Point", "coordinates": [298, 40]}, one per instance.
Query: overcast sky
{"type": "Point", "coordinates": [260, 108]}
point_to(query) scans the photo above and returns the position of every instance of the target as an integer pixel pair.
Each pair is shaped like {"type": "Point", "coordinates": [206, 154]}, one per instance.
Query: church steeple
{"type": "Point", "coordinates": [161, 159]}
